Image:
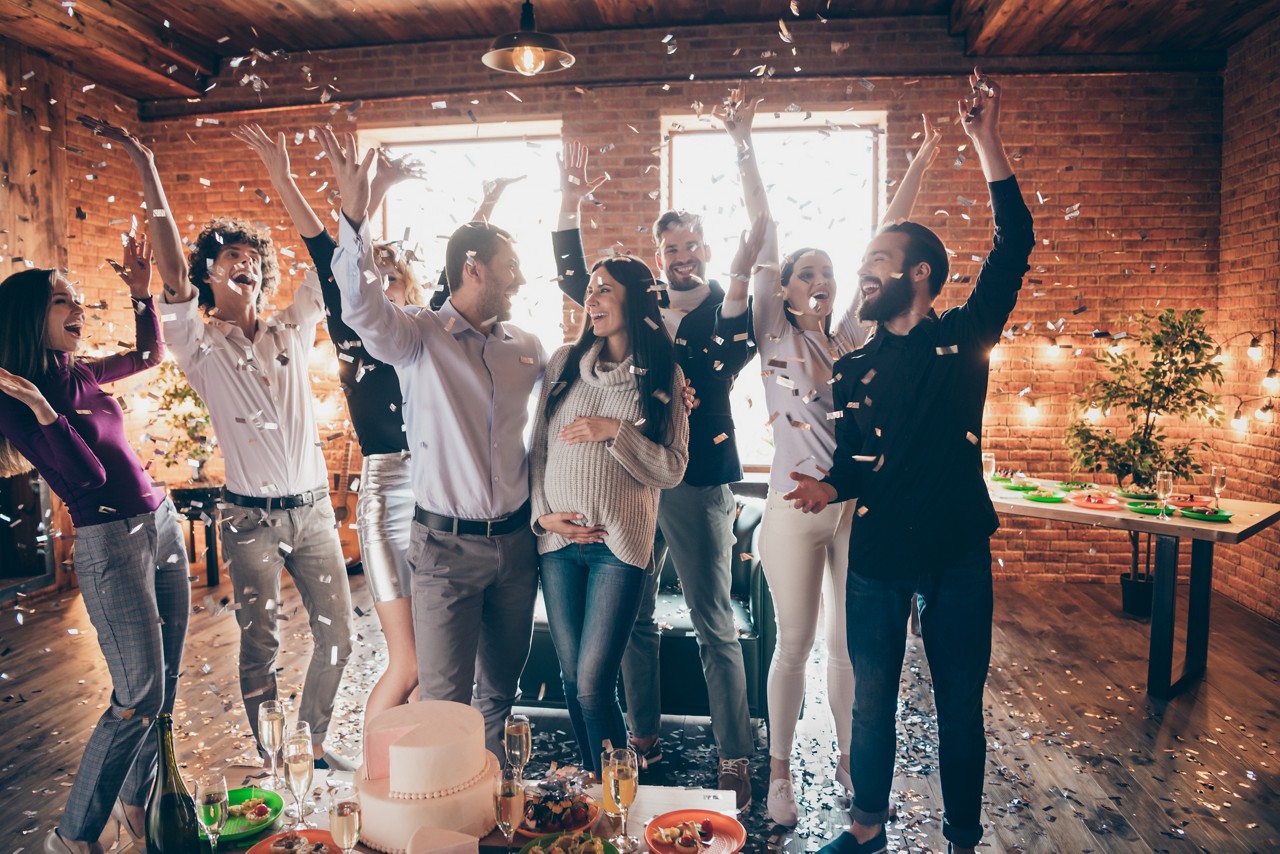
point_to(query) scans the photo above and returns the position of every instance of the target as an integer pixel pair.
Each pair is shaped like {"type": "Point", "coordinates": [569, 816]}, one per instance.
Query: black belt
{"type": "Point", "coordinates": [474, 527]}
{"type": "Point", "coordinates": [286, 502]}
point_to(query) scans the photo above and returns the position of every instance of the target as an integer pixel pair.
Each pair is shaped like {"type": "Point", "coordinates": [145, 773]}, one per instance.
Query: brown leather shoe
{"type": "Point", "coordinates": [735, 775]}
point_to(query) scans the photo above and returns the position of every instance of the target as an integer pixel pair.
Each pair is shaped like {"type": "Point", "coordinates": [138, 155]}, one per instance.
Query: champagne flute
{"type": "Point", "coordinates": [508, 803]}
{"type": "Point", "coordinates": [299, 765]}
{"type": "Point", "coordinates": [620, 772]}
{"type": "Point", "coordinates": [1164, 491]}
{"type": "Point", "coordinates": [610, 806]}
{"type": "Point", "coordinates": [211, 807]}
{"type": "Point", "coordinates": [271, 736]}
{"type": "Point", "coordinates": [518, 741]}
{"type": "Point", "coordinates": [989, 465]}
{"type": "Point", "coordinates": [344, 816]}
{"type": "Point", "coordinates": [1218, 483]}
{"type": "Point", "coordinates": [300, 729]}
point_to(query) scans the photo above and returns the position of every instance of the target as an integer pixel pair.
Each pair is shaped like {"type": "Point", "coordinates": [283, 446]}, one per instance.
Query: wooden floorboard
{"type": "Point", "coordinates": [1081, 760]}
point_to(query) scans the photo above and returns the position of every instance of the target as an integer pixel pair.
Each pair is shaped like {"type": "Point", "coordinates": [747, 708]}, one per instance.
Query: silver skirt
{"type": "Point", "coordinates": [384, 515]}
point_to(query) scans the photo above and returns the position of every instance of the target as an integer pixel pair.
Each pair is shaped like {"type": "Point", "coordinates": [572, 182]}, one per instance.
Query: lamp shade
{"type": "Point", "coordinates": [527, 52]}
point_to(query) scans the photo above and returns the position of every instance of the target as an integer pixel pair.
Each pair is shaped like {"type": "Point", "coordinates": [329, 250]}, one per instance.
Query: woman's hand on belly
{"type": "Point", "coordinates": [571, 527]}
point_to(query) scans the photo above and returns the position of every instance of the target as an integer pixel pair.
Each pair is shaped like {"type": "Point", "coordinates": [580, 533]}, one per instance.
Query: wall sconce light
{"type": "Point", "coordinates": [527, 52]}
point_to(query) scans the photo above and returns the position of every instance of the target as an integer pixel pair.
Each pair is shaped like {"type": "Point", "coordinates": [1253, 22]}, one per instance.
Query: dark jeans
{"type": "Point", "coordinates": [591, 599]}
{"type": "Point", "coordinates": [955, 621]}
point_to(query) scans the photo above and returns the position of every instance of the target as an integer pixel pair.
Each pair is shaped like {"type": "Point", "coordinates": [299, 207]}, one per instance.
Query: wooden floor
{"type": "Point", "coordinates": [1080, 761]}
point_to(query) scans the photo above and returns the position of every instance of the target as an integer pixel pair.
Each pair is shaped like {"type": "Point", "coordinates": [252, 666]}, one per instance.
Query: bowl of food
{"type": "Point", "coordinates": [578, 842]}
{"type": "Point", "coordinates": [558, 804]}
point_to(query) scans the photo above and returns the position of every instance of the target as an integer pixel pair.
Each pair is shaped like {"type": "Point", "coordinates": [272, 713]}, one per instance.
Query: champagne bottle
{"type": "Point", "coordinates": [171, 812]}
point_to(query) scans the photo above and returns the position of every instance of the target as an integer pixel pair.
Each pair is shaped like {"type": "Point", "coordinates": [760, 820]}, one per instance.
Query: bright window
{"type": "Point", "coordinates": [822, 173]}
{"type": "Point", "coordinates": [458, 159]}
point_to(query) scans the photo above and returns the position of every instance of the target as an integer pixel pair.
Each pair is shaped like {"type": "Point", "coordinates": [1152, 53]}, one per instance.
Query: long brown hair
{"type": "Point", "coordinates": [24, 315]}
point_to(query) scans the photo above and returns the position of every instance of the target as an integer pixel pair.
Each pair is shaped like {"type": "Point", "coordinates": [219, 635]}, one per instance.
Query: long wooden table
{"type": "Point", "coordinates": [1250, 518]}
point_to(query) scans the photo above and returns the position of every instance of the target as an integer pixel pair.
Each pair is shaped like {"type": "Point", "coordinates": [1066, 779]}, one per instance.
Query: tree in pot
{"type": "Point", "coordinates": [192, 443]}
{"type": "Point", "coordinates": [1117, 425]}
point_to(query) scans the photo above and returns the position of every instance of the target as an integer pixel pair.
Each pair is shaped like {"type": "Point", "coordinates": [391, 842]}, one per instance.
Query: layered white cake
{"type": "Point", "coordinates": [425, 765]}
{"type": "Point", "coordinates": [433, 840]}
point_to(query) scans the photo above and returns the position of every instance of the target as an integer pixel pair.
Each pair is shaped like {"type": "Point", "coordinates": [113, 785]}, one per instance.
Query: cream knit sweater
{"type": "Point", "coordinates": [617, 483]}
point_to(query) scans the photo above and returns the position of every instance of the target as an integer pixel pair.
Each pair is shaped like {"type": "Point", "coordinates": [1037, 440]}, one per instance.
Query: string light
{"type": "Point", "coordinates": [1271, 382]}
{"type": "Point", "coordinates": [1255, 348]}
{"type": "Point", "coordinates": [1238, 420]}
{"type": "Point", "coordinates": [1263, 413]}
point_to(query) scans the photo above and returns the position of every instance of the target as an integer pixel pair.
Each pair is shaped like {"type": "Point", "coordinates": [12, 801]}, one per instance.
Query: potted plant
{"type": "Point", "coordinates": [192, 442]}
{"type": "Point", "coordinates": [1163, 378]}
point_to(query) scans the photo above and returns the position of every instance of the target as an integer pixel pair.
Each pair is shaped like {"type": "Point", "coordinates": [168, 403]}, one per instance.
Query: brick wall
{"type": "Point", "coordinates": [1249, 298]}
{"type": "Point", "coordinates": [1141, 153]}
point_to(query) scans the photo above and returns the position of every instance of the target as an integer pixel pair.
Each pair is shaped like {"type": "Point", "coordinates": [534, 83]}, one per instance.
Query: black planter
{"type": "Point", "coordinates": [1135, 595]}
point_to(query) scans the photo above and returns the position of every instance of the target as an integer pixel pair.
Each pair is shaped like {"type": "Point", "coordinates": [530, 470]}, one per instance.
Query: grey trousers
{"type": "Point", "coordinates": [256, 545]}
{"type": "Point", "coordinates": [133, 576]}
{"type": "Point", "coordinates": [696, 523]}
{"type": "Point", "coordinates": [473, 601]}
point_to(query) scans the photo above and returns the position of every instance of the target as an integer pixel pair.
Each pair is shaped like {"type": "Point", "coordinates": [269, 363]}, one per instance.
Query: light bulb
{"type": "Point", "coordinates": [1052, 350]}
{"type": "Point", "coordinates": [529, 60]}
{"type": "Point", "coordinates": [1263, 413]}
{"type": "Point", "coordinates": [1116, 349]}
{"type": "Point", "coordinates": [1031, 412]}
{"type": "Point", "coordinates": [994, 355]}
{"type": "Point", "coordinates": [1093, 414]}
{"type": "Point", "coordinates": [1271, 382]}
{"type": "Point", "coordinates": [1240, 422]}
{"type": "Point", "coordinates": [1255, 349]}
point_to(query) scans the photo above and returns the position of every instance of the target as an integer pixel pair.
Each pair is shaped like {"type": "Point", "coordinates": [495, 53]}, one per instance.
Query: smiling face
{"type": "Point", "coordinates": [65, 323]}
{"type": "Point", "coordinates": [236, 275]}
{"type": "Point", "coordinates": [682, 256]}
{"type": "Point", "coordinates": [605, 303]}
{"type": "Point", "coordinates": [887, 290]}
{"type": "Point", "coordinates": [499, 279]}
{"type": "Point", "coordinates": [811, 289]}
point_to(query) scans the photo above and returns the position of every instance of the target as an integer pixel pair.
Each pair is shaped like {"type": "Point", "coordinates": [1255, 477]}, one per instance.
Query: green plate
{"type": "Point", "coordinates": [995, 478]}
{"type": "Point", "coordinates": [1200, 514]}
{"type": "Point", "coordinates": [1148, 508]}
{"type": "Point", "coordinates": [239, 827]}
{"type": "Point", "coordinates": [1053, 497]}
{"type": "Point", "coordinates": [1136, 496]}
{"type": "Point", "coordinates": [551, 837]}
{"type": "Point", "coordinates": [1073, 485]}
{"type": "Point", "coordinates": [1026, 487]}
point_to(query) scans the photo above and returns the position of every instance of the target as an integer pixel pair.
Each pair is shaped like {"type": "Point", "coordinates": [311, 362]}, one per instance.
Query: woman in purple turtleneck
{"type": "Point", "coordinates": [129, 555]}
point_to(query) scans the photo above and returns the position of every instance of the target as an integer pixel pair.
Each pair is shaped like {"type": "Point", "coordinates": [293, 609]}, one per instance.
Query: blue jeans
{"type": "Point", "coordinates": [955, 621]}
{"type": "Point", "coordinates": [591, 599]}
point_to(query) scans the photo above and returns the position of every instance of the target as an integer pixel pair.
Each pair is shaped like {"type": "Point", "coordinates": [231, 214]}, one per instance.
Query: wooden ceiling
{"type": "Point", "coordinates": [159, 49]}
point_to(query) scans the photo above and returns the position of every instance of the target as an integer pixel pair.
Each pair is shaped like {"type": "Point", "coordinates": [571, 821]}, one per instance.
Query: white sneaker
{"type": "Point", "coordinates": [782, 802]}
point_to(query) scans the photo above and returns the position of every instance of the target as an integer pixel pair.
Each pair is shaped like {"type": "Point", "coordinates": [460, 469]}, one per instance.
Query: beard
{"type": "Point", "coordinates": [691, 279]}
{"type": "Point", "coordinates": [894, 298]}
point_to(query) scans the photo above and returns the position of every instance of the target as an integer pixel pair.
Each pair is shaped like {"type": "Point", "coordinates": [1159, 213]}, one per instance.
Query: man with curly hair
{"type": "Point", "coordinates": [251, 371]}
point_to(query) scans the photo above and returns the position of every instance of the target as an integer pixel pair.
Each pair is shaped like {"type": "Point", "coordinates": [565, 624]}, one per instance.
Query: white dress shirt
{"type": "Point", "coordinates": [258, 392]}
{"type": "Point", "coordinates": [466, 394]}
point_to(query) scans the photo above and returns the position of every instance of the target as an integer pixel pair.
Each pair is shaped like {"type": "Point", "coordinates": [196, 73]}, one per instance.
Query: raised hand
{"type": "Point", "coordinates": [810, 495]}
{"type": "Point", "coordinates": [274, 152]}
{"type": "Point", "coordinates": [128, 141]}
{"type": "Point", "coordinates": [396, 170]}
{"type": "Point", "coordinates": [135, 270]}
{"type": "Point", "coordinates": [575, 185]}
{"type": "Point", "coordinates": [737, 113]}
{"type": "Point", "coordinates": [25, 391]}
{"type": "Point", "coordinates": [351, 172]}
{"type": "Point", "coordinates": [980, 112]}
{"type": "Point", "coordinates": [494, 188]}
{"type": "Point", "coordinates": [568, 525]}
{"type": "Point", "coordinates": [929, 146]}
{"type": "Point", "coordinates": [590, 429]}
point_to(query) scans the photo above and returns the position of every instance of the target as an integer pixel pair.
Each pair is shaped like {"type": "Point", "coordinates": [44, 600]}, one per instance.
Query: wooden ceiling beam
{"type": "Point", "coordinates": [102, 39]}
{"type": "Point", "coordinates": [138, 73]}
{"type": "Point", "coordinates": [1003, 27]}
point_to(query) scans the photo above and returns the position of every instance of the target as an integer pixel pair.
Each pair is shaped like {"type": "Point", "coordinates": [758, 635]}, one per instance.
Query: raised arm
{"type": "Point", "coordinates": [980, 118]}
{"type": "Point", "coordinates": [388, 334]}
{"type": "Point", "coordinates": [737, 115]}
{"type": "Point", "coordinates": [493, 191]}
{"type": "Point", "coordinates": [275, 156]}
{"type": "Point", "coordinates": [905, 197]}
{"type": "Point", "coordinates": [166, 242]}
{"type": "Point", "coordinates": [566, 241]}
{"type": "Point", "coordinates": [148, 350]}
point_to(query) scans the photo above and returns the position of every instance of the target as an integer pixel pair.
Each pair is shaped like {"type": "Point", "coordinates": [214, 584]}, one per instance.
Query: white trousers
{"type": "Point", "coordinates": [805, 558]}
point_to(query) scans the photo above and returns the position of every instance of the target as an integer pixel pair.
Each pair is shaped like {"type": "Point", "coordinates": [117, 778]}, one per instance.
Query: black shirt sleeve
{"type": "Point", "coordinates": [845, 473]}
{"type": "Point", "coordinates": [732, 336]}
{"type": "Point", "coordinates": [321, 247]}
{"type": "Point", "coordinates": [571, 263]}
{"type": "Point", "coordinates": [996, 290]}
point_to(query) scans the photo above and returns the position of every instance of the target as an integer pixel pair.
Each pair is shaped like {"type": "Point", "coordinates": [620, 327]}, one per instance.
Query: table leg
{"type": "Point", "coordinates": [1198, 608]}
{"type": "Point", "coordinates": [1163, 612]}
{"type": "Point", "coordinates": [211, 551]}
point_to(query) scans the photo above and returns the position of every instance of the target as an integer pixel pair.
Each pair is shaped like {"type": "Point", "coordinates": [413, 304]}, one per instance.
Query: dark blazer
{"type": "Point", "coordinates": [710, 349]}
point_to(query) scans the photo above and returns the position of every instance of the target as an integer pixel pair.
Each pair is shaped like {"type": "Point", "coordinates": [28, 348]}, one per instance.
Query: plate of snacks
{"type": "Point", "coordinates": [302, 842]}
{"type": "Point", "coordinates": [1206, 514]}
{"type": "Point", "coordinates": [558, 804]}
{"type": "Point", "coordinates": [1186, 500]}
{"type": "Point", "coordinates": [690, 831]}
{"type": "Point", "coordinates": [1136, 494]}
{"type": "Point", "coordinates": [1094, 499]}
{"type": "Point", "coordinates": [1045, 495]}
{"type": "Point", "coordinates": [1148, 508]}
{"type": "Point", "coordinates": [578, 842]}
{"type": "Point", "coordinates": [1003, 475]}
{"type": "Point", "coordinates": [1076, 485]}
{"type": "Point", "coordinates": [249, 811]}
